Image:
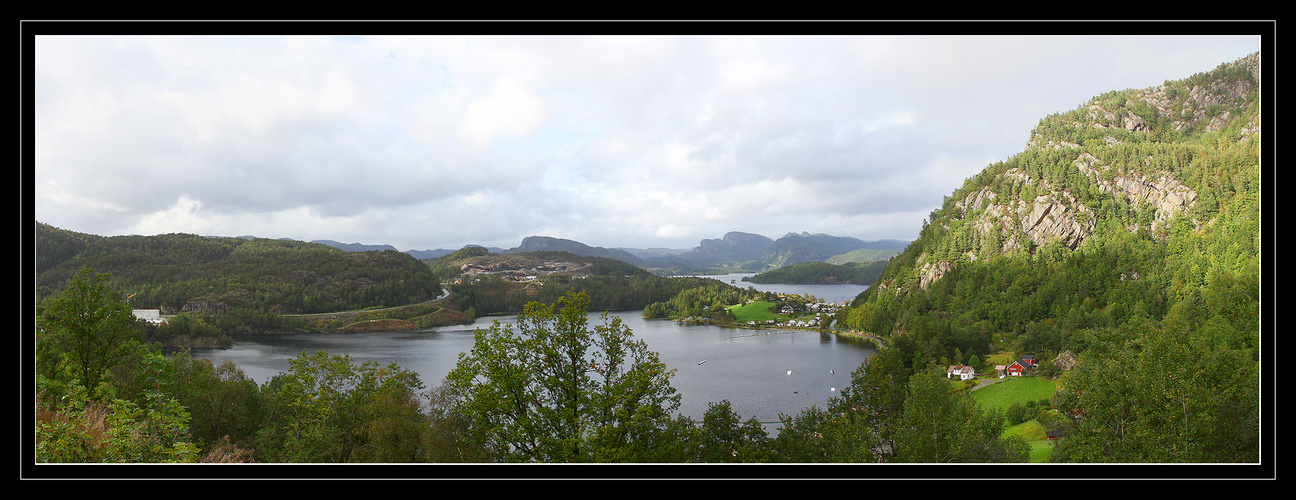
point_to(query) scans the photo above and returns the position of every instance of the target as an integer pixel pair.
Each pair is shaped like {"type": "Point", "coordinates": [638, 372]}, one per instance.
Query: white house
{"type": "Point", "coordinates": [963, 372]}
{"type": "Point", "coordinates": [149, 315]}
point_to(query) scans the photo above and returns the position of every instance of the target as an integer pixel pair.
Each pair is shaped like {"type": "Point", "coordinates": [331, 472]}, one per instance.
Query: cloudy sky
{"type": "Point", "coordinates": [431, 142]}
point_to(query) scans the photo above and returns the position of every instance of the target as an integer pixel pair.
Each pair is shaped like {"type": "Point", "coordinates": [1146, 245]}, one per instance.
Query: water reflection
{"type": "Point", "coordinates": [762, 373]}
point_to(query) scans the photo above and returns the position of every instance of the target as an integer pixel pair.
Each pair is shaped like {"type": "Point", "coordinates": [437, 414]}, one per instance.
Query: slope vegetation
{"type": "Point", "coordinates": [184, 272]}
{"type": "Point", "coordinates": [1128, 233]}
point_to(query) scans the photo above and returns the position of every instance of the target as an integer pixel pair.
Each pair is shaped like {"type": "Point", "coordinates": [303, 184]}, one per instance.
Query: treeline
{"type": "Point", "coordinates": [823, 273]}
{"type": "Point", "coordinates": [495, 295]}
{"type": "Point", "coordinates": [182, 272]}
{"type": "Point", "coordinates": [706, 299]}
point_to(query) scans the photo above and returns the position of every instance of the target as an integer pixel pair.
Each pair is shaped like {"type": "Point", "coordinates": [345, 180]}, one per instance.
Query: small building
{"type": "Point", "coordinates": [1015, 369]}
{"type": "Point", "coordinates": [1029, 360]}
{"type": "Point", "coordinates": [150, 315]}
{"type": "Point", "coordinates": [999, 371]}
{"type": "Point", "coordinates": [963, 372]}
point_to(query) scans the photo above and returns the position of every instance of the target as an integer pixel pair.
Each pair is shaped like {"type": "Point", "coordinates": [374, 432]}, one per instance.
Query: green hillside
{"type": "Point", "coordinates": [1129, 226]}
{"type": "Point", "coordinates": [184, 272]}
{"type": "Point", "coordinates": [823, 273]}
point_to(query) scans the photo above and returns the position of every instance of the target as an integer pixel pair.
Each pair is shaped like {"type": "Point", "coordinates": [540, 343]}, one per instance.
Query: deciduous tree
{"type": "Point", "coordinates": [92, 324]}
{"type": "Point", "coordinates": [553, 390]}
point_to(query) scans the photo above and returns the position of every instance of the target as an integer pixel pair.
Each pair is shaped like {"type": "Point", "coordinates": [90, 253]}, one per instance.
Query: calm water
{"type": "Point", "coordinates": [762, 373]}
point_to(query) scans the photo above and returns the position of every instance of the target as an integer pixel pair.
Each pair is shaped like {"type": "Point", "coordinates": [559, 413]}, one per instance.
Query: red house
{"type": "Point", "coordinates": [1015, 369]}
{"type": "Point", "coordinates": [1028, 360]}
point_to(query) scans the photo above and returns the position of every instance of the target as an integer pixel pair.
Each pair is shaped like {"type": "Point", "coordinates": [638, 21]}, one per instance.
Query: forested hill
{"type": "Point", "coordinates": [823, 273]}
{"type": "Point", "coordinates": [1141, 203]}
{"type": "Point", "coordinates": [184, 272]}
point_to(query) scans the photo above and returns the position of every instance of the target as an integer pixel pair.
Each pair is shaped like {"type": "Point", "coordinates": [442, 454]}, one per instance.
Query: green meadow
{"type": "Point", "coordinates": [1020, 390]}
{"type": "Point", "coordinates": [755, 311]}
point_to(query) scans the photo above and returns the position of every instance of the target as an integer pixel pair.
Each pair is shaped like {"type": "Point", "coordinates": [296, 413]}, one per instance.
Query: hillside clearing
{"type": "Point", "coordinates": [1020, 390]}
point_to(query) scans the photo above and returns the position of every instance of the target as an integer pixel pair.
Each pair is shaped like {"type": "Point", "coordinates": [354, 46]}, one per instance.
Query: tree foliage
{"type": "Point", "coordinates": [553, 390]}
{"type": "Point", "coordinates": [823, 273]}
{"type": "Point", "coordinates": [82, 430]}
{"type": "Point", "coordinates": [1148, 392]}
{"type": "Point", "coordinates": [91, 325]}
{"type": "Point", "coordinates": [328, 409]}
{"type": "Point", "coordinates": [943, 426]}
{"type": "Point", "coordinates": [183, 272]}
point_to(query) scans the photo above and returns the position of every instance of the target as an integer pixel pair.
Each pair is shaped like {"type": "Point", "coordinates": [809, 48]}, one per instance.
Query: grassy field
{"type": "Point", "coordinates": [1020, 390]}
{"type": "Point", "coordinates": [755, 311]}
{"type": "Point", "coordinates": [1033, 433]}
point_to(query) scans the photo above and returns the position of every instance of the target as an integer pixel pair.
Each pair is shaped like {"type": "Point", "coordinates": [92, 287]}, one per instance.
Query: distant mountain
{"type": "Point", "coordinates": [417, 254]}
{"type": "Point", "coordinates": [735, 250]}
{"type": "Point", "coordinates": [546, 243]}
{"type": "Point", "coordinates": [652, 253]}
{"type": "Point", "coordinates": [863, 256]}
{"type": "Point", "coordinates": [429, 254]}
{"type": "Point", "coordinates": [354, 247]}
{"type": "Point", "coordinates": [734, 247]}
{"type": "Point", "coordinates": [748, 250]}
{"type": "Point", "coordinates": [795, 248]}
{"type": "Point", "coordinates": [441, 252]}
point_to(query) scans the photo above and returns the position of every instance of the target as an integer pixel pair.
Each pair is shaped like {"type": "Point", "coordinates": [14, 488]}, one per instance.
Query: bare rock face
{"type": "Point", "coordinates": [1163, 193]}
{"type": "Point", "coordinates": [1055, 215]}
{"type": "Point", "coordinates": [932, 271]}
{"type": "Point", "coordinates": [1067, 222]}
{"type": "Point", "coordinates": [1134, 123]}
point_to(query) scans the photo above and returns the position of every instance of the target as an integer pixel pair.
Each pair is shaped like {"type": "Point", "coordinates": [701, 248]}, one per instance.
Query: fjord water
{"type": "Point", "coordinates": [762, 373]}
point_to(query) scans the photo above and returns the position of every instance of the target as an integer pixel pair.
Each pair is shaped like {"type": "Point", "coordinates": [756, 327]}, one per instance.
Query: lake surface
{"type": "Point", "coordinates": [762, 373]}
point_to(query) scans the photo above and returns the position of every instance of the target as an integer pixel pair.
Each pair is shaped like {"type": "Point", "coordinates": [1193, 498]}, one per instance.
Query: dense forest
{"type": "Point", "coordinates": [215, 287]}
{"type": "Point", "coordinates": [184, 272]}
{"type": "Point", "coordinates": [823, 273]}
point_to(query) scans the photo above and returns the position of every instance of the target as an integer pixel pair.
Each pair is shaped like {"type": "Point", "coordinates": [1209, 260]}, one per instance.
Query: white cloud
{"type": "Point", "coordinates": [440, 141]}
{"type": "Point", "coordinates": [509, 110]}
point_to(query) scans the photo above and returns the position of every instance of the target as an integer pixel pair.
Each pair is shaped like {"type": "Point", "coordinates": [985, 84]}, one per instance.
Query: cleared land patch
{"type": "Point", "coordinates": [755, 311]}
{"type": "Point", "coordinates": [1021, 391]}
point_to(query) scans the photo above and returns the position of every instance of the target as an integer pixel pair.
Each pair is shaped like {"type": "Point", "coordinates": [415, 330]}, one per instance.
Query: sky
{"type": "Point", "coordinates": [619, 141]}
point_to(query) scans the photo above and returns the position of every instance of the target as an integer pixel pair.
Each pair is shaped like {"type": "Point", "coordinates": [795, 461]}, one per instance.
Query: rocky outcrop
{"type": "Point", "coordinates": [1164, 194]}
{"type": "Point", "coordinates": [1067, 222]}
{"type": "Point", "coordinates": [1020, 207]}
{"type": "Point", "coordinates": [932, 271]}
{"type": "Point", "coordinates": [1054, 215]}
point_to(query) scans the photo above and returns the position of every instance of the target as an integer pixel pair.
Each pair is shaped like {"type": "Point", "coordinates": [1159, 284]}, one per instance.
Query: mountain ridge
{"type": "Point", "coordinates": [734, 248]}
{"type": "Point", "coordinates": [1147, 197]}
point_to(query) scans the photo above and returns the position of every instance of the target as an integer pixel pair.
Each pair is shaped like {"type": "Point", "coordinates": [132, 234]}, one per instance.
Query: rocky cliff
{"type": "Point", "coordinates": [1131, 159]}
